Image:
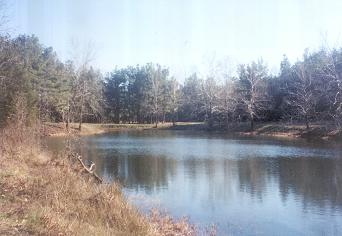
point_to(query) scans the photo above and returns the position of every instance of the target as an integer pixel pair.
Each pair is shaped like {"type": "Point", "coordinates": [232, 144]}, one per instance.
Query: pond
{"type": "Point", "coordinates": [245, 186]}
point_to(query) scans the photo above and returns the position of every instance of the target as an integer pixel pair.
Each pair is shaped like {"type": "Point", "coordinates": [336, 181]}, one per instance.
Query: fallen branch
{"type": "Point", "coordinates": [90, 170]}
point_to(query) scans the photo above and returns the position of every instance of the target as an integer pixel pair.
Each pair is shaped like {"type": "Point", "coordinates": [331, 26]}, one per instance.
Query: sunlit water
{"type": "Point", "coordinates": [245, 186]}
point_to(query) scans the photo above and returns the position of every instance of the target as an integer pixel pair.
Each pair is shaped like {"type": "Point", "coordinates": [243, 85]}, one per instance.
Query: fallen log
{"type": "Point", "coordinates": [90, 170]}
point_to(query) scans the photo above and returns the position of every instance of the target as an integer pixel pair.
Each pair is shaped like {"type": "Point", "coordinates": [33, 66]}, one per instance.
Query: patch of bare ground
{"type": "Point", "coordinates": [59, 129]}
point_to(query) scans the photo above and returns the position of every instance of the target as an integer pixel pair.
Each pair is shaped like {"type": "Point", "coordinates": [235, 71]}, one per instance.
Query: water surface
{"type": "Point", "coordinates": [245, 186]}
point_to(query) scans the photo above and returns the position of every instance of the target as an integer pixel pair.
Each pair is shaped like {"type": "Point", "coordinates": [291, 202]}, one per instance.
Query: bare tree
{"type": "Point", "coordinates": [331, 70]}
{"type": "Point", "coordinates": [227, 99]}
{"type": "Point", "coordinates": [252, 91]}
{"type": "Point", "coordinates": [174, 99]}
{"type": "Point", "coordinates": [85, 84]}
{"type": "Point", "coordinates": [301, 93]}
{"type": "Point", "coordinates": [218, 71]}
{"type": "Point", "coordinates": [157, 75]}
{"type": "Point", "coordinates": [210, 97]}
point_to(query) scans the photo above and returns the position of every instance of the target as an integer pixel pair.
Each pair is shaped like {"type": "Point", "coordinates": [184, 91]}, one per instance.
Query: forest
{"type": "Point", "coordinates": [35, 81]}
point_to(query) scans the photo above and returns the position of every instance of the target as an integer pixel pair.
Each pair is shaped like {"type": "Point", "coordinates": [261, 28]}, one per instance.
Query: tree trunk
{"type": "Point", "coordinates": [81, 116]}
{"type": "Point", "coordinates": [156, 121]}
{"type": "Point", "coordinates": [252, 123]}
{"type": "Point", "coordinates": [210, 119]}
{"type": "Point", "coordinates": [80, 124]}
{"type": "Point", "coordinates": [67, 122]}
{"type": "Point", "coordinates": [307, 122]}
{"type": "Point", "coordinates": [68, 117]}
{"type": "Point", "coordinates": [138, 117]}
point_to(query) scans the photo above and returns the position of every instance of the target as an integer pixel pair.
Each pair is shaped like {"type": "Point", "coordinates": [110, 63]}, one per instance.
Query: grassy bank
{"type": "Point", "coordinates": [45, 195]}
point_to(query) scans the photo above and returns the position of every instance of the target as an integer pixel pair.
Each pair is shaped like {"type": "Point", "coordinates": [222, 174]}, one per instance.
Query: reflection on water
{"type": "Point", "coordinates": [245, 186]}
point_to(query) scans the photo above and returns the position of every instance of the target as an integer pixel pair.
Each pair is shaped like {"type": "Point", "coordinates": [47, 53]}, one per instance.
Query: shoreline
{"type": "Point", "coordinates": [59, 130]}
{"type": "Point", "coordinates": [267, 129]}
{"type": "Point", "coordinates": [43, 194]}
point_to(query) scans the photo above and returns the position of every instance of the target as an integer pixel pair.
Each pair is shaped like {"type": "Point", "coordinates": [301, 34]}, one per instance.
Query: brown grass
{"type": "Point", "coordinates": [42, 195]}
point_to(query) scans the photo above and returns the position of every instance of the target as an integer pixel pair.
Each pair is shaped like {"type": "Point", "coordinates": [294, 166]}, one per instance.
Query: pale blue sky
{"type": "Point", "coordinates": [181, 34]}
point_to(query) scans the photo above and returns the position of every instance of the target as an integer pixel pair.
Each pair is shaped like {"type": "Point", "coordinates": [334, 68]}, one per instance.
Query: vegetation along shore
{"type": "Point", "coordinates": [273, 129]}
{"type": "Point", "coordinates": [42, 95]}
{"type": "Point", "coordinates": [42, 194]}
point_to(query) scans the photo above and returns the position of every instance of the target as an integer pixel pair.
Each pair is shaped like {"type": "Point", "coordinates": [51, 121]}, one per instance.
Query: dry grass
{"type": "Point", "coordinates": [42, 195]}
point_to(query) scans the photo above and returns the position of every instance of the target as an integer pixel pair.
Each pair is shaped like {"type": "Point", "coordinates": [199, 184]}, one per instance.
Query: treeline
{"type": "Point", "coordinates": [309, 90]}
{"type": "Point", "coordinates": [34, 81]}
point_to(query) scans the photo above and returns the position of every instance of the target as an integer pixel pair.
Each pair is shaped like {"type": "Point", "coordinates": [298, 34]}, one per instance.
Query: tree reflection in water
{"type": "Point", "coordinates": [212, 179]}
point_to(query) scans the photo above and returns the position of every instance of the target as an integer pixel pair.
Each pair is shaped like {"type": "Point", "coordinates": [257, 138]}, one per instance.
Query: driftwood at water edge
{"type": "Point", "coordinates": [90, 170]}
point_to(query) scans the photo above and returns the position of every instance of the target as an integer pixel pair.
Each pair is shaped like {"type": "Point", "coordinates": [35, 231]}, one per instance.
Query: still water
{"type": "Point", "coordinates": [245, 186]}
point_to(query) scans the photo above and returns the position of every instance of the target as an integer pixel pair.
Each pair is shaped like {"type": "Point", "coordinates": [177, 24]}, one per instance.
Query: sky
{"type": "Point", "coordinates": [184, 35]}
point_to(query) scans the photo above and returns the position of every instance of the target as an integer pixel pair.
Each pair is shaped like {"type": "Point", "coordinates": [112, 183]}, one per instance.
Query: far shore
{"type": "Point", "coordinates": [272, 129]}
